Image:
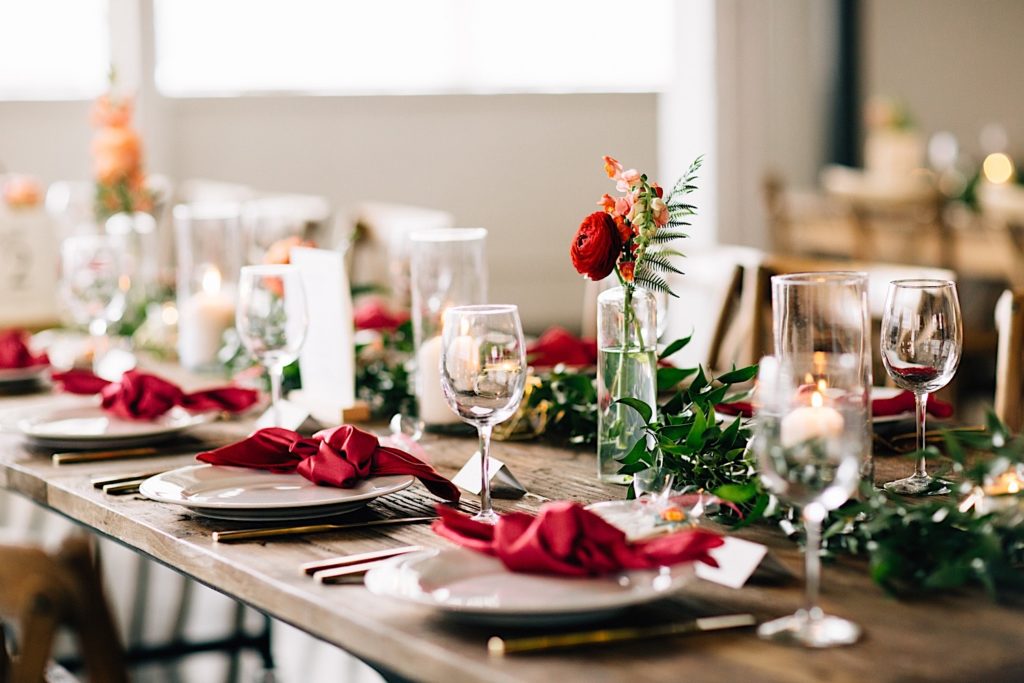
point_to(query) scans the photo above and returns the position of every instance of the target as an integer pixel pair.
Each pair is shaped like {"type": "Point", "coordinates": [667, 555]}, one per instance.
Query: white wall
{"type": "Point", "coordinates": [526, 167]}
{"type": "Point", "coordinates": [956, 64]}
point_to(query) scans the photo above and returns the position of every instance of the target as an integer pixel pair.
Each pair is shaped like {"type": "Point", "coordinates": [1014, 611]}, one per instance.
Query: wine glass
{"type": "Point", "coordinates": [483, 374]}
{"type": "Point", "coordinates": [94, 284]}
{"type": "Point", "coordinates": [808, 445]}
{"type": "Point", "coordinates": [921, 342]}
{"type": "Point", "coordinates": [271, 320]}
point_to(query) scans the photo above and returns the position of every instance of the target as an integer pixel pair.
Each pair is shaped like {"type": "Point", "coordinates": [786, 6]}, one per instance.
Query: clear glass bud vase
{"type": "Point", "coordinates": [627, 337]}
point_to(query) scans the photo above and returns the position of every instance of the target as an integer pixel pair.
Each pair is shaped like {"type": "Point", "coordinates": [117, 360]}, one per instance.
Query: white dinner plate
{"type": "Point", "coordinates": [21, 375]}
{"type": "Point", "coordinates": [470, 586]}
{"type": "Point", "coordinates": [884, 393]}
{"type": "Point", "coordinates": [92, 427]}
{"type": "Point", "coordinates": [224, 490]}
{"type": "Point", "coordinates": [280, 515]}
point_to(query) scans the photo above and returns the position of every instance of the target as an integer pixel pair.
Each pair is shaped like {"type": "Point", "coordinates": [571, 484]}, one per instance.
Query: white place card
{"type": "Point", "coordinates": [737, 559]}
{"type": "Point", "coordinates": [503, 482]}
{"type": "Point", "coordinates": [289, 415]}
{"type": "Point", "coordinates": [327, 358]}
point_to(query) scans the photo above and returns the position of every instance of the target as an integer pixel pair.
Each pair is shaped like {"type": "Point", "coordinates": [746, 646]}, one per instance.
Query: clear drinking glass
{"type": "Point", "coordinates": [93, 283]}
{"type": "Point", "coordinates": [922, 337]}
{"type": "Point", "coordinates": [483, 374]}
{"type": "Point", "coordinates": [808, 445]}
{"type": "Point", "coordinates": [448, 268]}
{"type": "Point", "coordinates": [826, 312]}
{"type": "Point", "coordinates": [271, 320]}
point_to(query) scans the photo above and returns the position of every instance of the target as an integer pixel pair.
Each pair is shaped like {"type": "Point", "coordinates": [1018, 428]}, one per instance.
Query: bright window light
{"type": "Point", "coordinates": [53, 49]}
{"type": "Point", "coordinates": [231, 47]}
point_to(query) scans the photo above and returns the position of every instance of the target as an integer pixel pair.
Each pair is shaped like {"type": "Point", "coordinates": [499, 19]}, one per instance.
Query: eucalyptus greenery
{"type": "Point", "coordinates": [687, 439]}
{"type": "Point", "coordinates": [912, 545]}
{"type": "Point", "coordinates": [383, 379]}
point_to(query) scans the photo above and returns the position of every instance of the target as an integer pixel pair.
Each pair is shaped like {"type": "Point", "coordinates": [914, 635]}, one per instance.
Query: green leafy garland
{"type": "Point", "coordinates": [912, 546]}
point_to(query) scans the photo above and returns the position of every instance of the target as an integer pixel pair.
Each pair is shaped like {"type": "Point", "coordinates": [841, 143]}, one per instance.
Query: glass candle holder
{"type": "Point", "coordinates": [448, 268]}
{"type": "Point", "coordinates": [817, 315]}
{"type": "Point", "coordinates": [209, 258]}
{"type": "Point", "coordinates": [627, 363]}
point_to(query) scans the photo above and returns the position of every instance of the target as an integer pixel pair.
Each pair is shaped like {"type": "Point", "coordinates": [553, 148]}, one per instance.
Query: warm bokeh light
{"type": "Point", "coordinates": [998, 168]}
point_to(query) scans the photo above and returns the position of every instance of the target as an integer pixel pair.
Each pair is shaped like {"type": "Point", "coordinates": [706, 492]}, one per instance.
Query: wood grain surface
{"type": "Point", "coordinates": [955, 637]}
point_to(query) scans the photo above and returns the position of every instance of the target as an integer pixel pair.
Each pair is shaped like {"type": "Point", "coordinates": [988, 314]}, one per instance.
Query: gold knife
{"type": "Point", "coordinates": [92, 456]}
{"type": "Point", "coordinates": [248, 534]}
{"type": "Point", "coordinates": [311, 568]}
{"type": "Point", "coordinates": [499, 647]}
{"type": "Point", "coordinates": [106, 480]}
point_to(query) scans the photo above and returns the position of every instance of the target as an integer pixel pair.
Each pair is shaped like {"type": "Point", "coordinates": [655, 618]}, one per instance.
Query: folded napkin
{"type": "Point", "coordinates": [140, 396]}
{"type": "Point", "coordinates": [902, 402]}
{"type": "Point", "coordinates": [569, 540]}
{"type": "Point", "coordinates": [376, 316]}
{"type": "Point", "coordinates": [558, 345]}
{"type": "Point", "coordinates": [341, 456]}
{"type": "Point", "coordinates": [15, 352]}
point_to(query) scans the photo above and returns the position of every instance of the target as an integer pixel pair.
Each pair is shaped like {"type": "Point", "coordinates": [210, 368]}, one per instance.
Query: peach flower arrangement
{"type": "Point", "coordinates": [117, 158]}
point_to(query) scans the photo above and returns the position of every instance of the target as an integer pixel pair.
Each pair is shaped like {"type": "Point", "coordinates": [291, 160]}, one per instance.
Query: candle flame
{"type": "Point", "coordinates": [211, 280]}
{"type": "Point", "coordinates": [816, 400]}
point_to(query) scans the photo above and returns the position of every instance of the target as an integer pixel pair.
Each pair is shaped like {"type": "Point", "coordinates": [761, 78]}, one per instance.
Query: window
{"type": "Point", "coordinates": [230, 47]}
{"type": "Point", "coordinates": [53, 49]}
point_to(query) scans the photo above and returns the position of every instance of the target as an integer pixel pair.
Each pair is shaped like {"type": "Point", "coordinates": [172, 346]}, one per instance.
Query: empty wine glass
{"type": "Point", "coordinates": [483, 374]}
{"type": "Point", "coordinates": [94, 283]}
{"type": "Point", "coordinates": [808, 445]}
{"type": "Point", "coordinates": [921, 342]}
{"type": "Point", "coordinates": [271, 320]}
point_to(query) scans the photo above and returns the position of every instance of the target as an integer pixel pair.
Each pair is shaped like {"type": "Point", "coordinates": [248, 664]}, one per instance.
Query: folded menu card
{"type": "Point", "coordinates": [141, 396]}
{"type": "Point", "coordinates": [341, 456]}
{"type": "Point", "coordinates": [567, 539]}
{"type": "Point", "coordinates": [327, 358]}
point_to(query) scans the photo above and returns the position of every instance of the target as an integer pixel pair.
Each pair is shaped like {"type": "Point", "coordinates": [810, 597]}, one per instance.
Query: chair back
{"type": "Point", "coordinates": [1010, 326]}
{"type": "Point", "coordinates": [42, 592]}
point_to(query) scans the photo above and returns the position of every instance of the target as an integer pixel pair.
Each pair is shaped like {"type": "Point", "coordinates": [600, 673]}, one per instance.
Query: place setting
{"type": "Point", "coordinates": [363, 356]}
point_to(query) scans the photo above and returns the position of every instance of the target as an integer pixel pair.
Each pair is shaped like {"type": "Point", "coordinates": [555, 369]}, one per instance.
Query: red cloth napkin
{"type": "Point", "coordinates": [569, 540]}
{"type": "Point", "coordinates": [140, 396]}
{"type": "Point", "coordinates": [902, 402]}
{"type": "Point", "coordinates": [15, 352]}
{"type": "Point", "coordinates": [558, 345]}
{"type": "Point", "coordinates": [376, 316]}
{"type": "Point", "coordinates": [342, 456]}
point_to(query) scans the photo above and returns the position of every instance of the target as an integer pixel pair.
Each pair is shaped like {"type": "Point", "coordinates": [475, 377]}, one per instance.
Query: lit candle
{"type": "Point", "coordinates": [202, 320]}
{"type": "Point", "coordinates": [809, 422]}
{"type": "Point", "coordinates": [434, 408]}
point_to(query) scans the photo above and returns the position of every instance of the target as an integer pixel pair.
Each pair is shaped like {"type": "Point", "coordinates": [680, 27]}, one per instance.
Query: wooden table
{"type": "Point", "coordinates": [948, 637]}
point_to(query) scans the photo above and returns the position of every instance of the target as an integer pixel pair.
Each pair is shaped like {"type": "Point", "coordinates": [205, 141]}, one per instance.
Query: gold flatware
{"type": "Point", "coordinates": [105, 480]}
{"type": "Point", "coordinates": [249, 534]}
{"type": "Point", "coordinates": [353, 573]}
{"type": "Point", "coordinates": [311, 568]}
{"type": "Point", "coordinates": [93, 456]}
{"type": "Point", "coordinates": [499, 647]}
{"type": "Point", "coordinates": [123, 488]}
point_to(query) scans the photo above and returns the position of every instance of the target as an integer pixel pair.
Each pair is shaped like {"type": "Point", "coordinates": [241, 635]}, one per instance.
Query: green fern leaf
{"type": "Point", "coordinates": [652, 281]}
{"type": "Point", "coordinates": [663, 236]}
{"type": "Point", "coordinates": [685, 184]}
{"type": "Point", "coordinates": [668, 252]}
{"type": "Point", "coordinates": [655, 261]}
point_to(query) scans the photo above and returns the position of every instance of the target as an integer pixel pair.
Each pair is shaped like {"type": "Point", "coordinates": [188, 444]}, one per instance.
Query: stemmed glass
{"type": "Point", "coordinates": [483, 374]}
{"type": "Point", "coordinates": [808, 445]}
{"type": "Point", "coordinates": [271, 319]}
{"type": "Point", "coordinates": [921, 342]}
{"type": "Point", "coordinates": [94, 283]}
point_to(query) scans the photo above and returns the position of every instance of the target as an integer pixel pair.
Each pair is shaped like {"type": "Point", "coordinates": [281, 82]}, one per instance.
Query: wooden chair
{"type": "Point", "coordinates": [1010, 324]}
{"type": "Point", "coordinates": [40, 593]}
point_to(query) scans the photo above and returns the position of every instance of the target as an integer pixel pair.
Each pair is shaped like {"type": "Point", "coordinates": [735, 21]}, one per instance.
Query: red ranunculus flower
{"type": "Point", "coordinates": [596, 245]}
